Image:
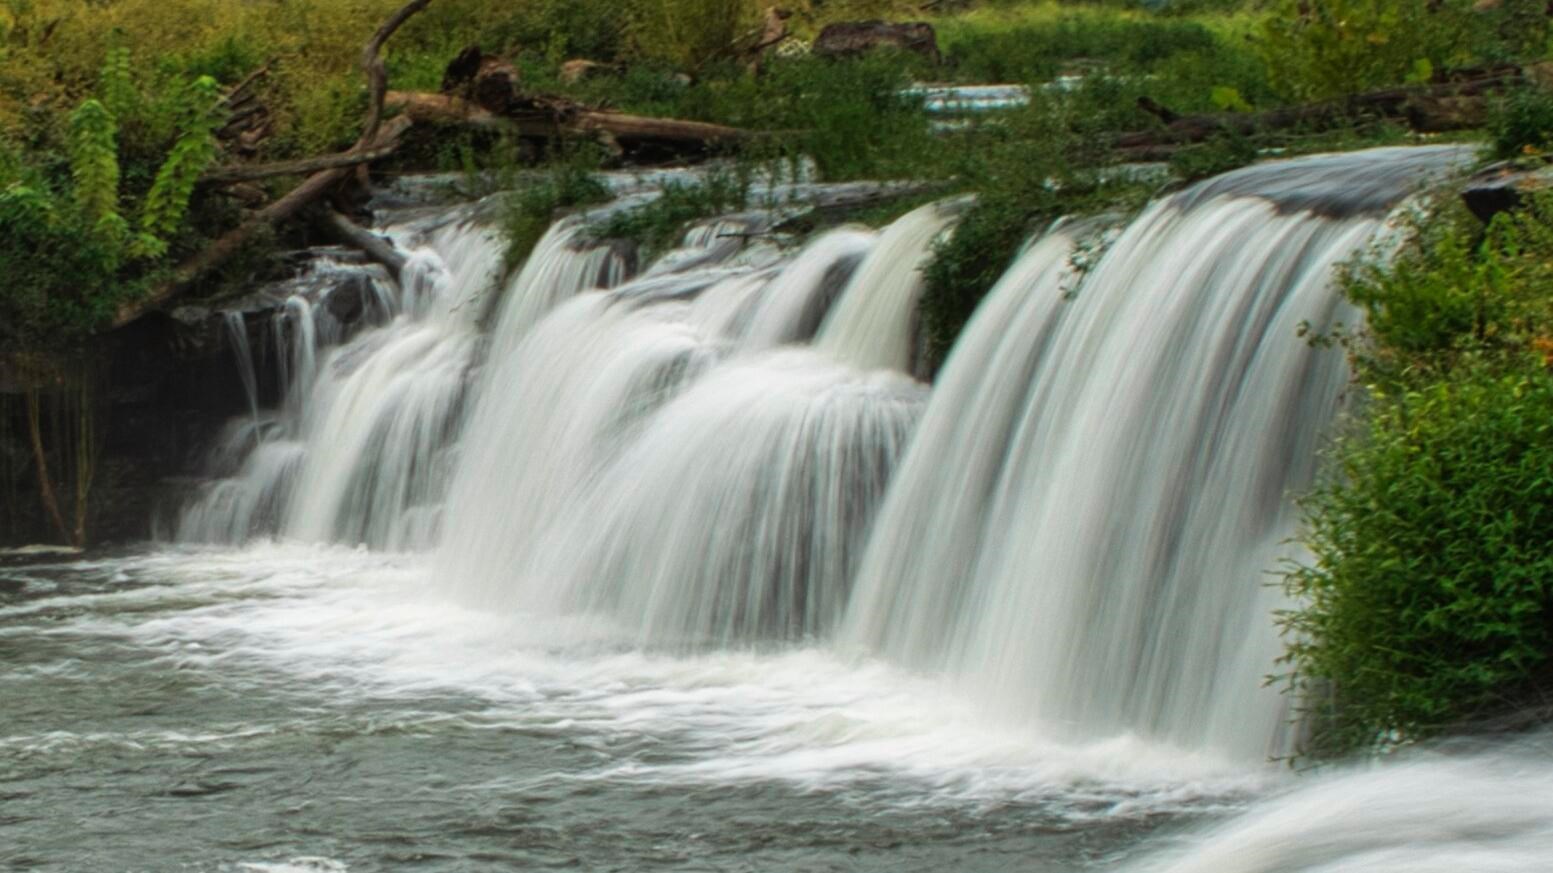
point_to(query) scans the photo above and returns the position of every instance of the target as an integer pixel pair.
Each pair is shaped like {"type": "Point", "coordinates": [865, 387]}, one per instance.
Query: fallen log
{"type": "Point", "coordinates": [348, 232]}
{"type": "Point", "coordinates": [536, 120]}
{"type": "Point", "coordinates": [1455, 103]}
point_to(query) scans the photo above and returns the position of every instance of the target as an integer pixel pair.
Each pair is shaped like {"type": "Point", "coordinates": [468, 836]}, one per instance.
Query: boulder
{"type": "Point", "coordinates": [854, 38]}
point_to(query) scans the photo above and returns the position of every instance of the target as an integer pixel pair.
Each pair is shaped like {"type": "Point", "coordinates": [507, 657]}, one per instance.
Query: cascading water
{"type": "Point", "coordinates": [1081, 530]}
{"type": "Point", "coordinates": [685, 473]}
{"type": "Point", "coordinates": [355, 454]}
{"type": "Point", "coordinates": [1078, 531]}
{"type": "Point", "coordinates": [871, 326]}
{"type": "Point", "coordinates": [676, 548]}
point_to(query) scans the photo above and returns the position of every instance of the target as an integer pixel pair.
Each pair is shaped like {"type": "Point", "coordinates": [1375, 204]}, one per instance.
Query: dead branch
{"type": "Point", "coordinates": [537, 120]}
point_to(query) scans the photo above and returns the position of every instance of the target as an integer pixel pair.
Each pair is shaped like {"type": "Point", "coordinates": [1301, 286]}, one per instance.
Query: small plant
{"type": "Point", "coordinates": [656, 225]}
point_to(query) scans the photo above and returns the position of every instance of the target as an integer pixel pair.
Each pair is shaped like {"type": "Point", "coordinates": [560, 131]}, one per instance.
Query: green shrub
{"type": "Point", "coordinates": [1457, 289]}
{"type": "Point", "coordinates": [529, 210]}
{"type": "Point", "coordinates": [1522, 123]}
{"type": "Point", "coordinates": [1428, 597]}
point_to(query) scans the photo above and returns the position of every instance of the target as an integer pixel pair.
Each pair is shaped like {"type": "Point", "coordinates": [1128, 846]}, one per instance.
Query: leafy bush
{"type": "Point", "coordinates": [1317, 49]}
{"type": "Point", "coordinates": [69, 253]}
{"type": "Point", "coordinates": [1428, 599]}
{"type": "Point", "coordinates": [1457, 289]}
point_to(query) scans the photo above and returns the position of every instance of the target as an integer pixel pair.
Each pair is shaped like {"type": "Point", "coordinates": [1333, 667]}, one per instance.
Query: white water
{"type": "Point", "coordinates": [357, 453]}
{"type": "Point", "coordinates": [653, 451]}
{"type": "Point", "coordinates": [1489, 812]}
{"type": "Point", "coordinates": [657, 532]}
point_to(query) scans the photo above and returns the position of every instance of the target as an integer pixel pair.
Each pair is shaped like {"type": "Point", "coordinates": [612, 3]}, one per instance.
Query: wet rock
{"type": "Point", "coordinates": [854, 38]}
{"type": "Point", "coordinates": [1504, 186]}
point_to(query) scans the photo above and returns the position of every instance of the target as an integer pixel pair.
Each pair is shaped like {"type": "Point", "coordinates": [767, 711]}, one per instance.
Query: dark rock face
{"type": "Point", "coordinates": [853, 38]}
{"type": "Point", "coordinates": [1502, 187]}
{"type": "Point", "coordinates": [153, 398]}
{"type": "Point", "coordinates": [148, 397]}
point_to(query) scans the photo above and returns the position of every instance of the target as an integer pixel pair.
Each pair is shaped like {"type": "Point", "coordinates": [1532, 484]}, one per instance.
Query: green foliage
{"type": "Point", "coordinates": [116, 85]}
{"type": "Point", "coordinates": [69, 255]}
{"type": "Point", "coordinates": [1522, 123]}
{"type": "Point", "coordinates": [1458, 290]}
{"type": "Point", "coordinates": [1426, 599]}
{"type": "Point", "coordinates": [1072, 42]}
{"type": "Point", "coordinates": [528, 212]}
{"type": "Point", "coordinates": [1317, 49]}
{"type": "Point", "coordinates": [690, 33]}
{"type": "Point", "coordinates": [94, 169]}
{"type": "Point", "coordinates": [167, 202]}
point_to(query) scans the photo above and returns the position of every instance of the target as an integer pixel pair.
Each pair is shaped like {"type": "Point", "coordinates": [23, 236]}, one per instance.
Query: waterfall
{"type": "Point", "coordinates": [722, 447]}
{"type": "Point", "coordinates": [356, 454]}
{"type": "Point", "coordinates": [1080, 532]}
{"type": "Point", "coordinates": [871, 325]}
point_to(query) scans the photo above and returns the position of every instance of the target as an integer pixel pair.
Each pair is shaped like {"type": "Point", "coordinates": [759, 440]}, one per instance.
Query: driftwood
{"type": "Point", "coordinates": [1456, 102]}
{"type": "Point", "coordinates": [546, 119]}
{"type": "Point", "coordinates": [376, 137]}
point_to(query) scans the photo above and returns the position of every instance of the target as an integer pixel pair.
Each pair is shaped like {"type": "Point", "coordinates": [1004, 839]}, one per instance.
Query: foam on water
{"type": "Point", "coordinates": [360, 626]}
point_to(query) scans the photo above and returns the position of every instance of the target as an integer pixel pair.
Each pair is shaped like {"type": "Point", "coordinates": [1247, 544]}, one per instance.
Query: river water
{"type": "Point", "coordinates": [290, 707]}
